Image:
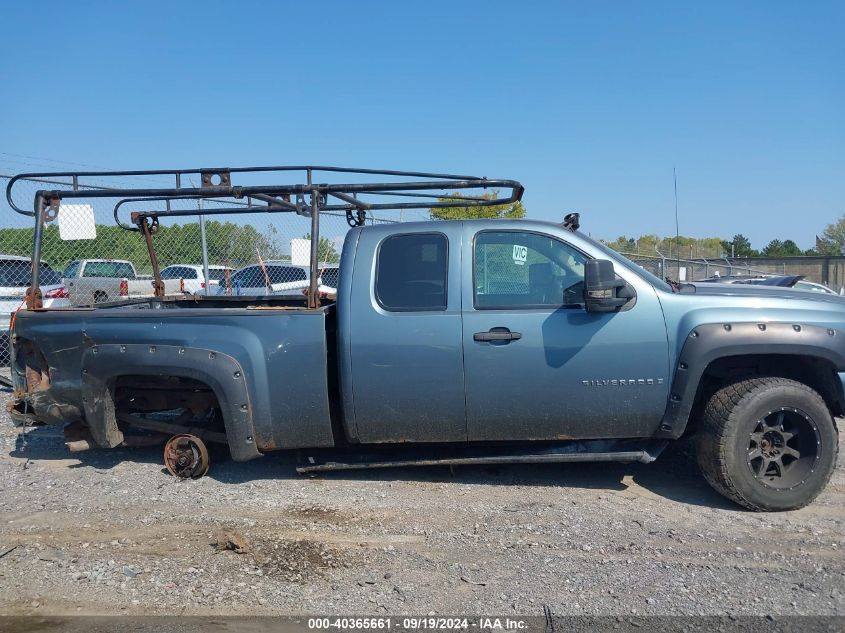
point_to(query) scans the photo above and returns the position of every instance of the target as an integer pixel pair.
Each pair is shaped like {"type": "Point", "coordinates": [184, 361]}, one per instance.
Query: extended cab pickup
{"type": "Point", "coordinates": [91, 281]}
{"type": "Point", "coordinates": [466, 341]}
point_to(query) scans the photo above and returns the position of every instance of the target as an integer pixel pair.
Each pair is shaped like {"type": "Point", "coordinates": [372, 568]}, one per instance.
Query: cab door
{"type": "Point", "coordinates": [403, 335]}
{"type": "Point", "coordinates": [537, 365]}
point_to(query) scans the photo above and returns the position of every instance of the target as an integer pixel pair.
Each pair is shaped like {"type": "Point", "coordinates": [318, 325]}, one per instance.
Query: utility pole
{"type": "Point", "coordinates": [677, 229]}
{"type": "Point", "coordinates": [204, 245]}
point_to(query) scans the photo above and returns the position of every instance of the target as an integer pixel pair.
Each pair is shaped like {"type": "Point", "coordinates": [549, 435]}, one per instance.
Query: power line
{"type": "Point", "coordinates": [51, 160]}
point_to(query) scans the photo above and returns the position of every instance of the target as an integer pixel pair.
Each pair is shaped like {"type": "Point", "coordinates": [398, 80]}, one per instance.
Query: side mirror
{"type": "Point", "coordinates": [603, 292]}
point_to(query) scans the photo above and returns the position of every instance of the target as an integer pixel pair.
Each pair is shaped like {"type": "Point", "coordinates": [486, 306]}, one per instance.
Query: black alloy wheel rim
{"type": "Point", "coordinates": [784, 449]}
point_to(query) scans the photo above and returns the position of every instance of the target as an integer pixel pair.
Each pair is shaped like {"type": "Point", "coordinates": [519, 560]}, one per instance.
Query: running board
{"type": "Point", "coordinates": [321, 461]}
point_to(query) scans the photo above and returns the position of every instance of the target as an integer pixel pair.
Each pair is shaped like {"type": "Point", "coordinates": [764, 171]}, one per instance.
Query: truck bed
{"type": "Point", "coordinates": [260, 363]}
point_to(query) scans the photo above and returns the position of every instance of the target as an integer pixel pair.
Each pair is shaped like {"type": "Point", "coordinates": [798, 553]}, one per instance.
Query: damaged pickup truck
{"type": "Point", "coordinates": [460, 342]}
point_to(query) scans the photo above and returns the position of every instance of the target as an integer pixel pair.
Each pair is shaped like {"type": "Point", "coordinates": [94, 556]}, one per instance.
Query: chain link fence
{"type": "Point", "coordinates": [87, 258]}
{"type": "Point", "coordinates": [692, 269]}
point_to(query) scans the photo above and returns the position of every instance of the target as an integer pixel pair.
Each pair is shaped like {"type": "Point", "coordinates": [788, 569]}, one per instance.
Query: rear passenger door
{"type": "Point", "coordinates": [405, 336]}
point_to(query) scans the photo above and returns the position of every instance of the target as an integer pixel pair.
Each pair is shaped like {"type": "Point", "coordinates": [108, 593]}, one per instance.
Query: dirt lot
{"type": "Point", "coordinates": [109, 532]}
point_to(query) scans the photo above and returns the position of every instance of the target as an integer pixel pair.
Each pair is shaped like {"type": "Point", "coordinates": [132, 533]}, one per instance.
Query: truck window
{"type": "Point", "coordinates": [71, 270]}
{"type": "Point", "coordinates": [172, 272]}
{"type": "Point", "coordinates": [48, 276]}
{"type": "Point", "coordinates": [16, 273]}
{"type": "Point", "coordinates": [109, 269]}
{"type": "Point", "coordinates": [249, 277]}
{"type": "Point", "coordinates": [329, 277]}
{"type": "Point", "coordinates": [411, 272]}
{"type": "Point", "coordinates": [285, 274]}
{"type": "Point", "coordinates": [520, 269]}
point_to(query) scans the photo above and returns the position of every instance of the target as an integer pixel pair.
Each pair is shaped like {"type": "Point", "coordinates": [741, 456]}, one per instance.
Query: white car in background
{"type": "Point", "coordinates": [281, 279]}
{"type": "Point", "coordinates": [91, 281]}
{"type": "Point", "coordinates": [793, 282]}
{"type": "Point", "coordinates": [813, 287]}
{"type": "Point", "coordinates": [193, 276]}
{"type": "Point", "coordinates": [15, 277]}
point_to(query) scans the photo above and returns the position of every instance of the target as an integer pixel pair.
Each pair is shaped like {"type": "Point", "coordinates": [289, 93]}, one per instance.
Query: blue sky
{"type": "Point", "coordinates": [589, 104]}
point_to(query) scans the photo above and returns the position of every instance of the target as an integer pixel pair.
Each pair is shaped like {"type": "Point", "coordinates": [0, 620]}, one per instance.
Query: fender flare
{"type": "Point", "coordinates": [103, 363]}
{"type": "Point", "coordinates": [709, 342]}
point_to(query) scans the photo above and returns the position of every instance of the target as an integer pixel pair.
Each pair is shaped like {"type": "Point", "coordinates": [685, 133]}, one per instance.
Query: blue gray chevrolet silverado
{"type": "Point", "coordinates": [447, 343]}
{"type": "Point", "coordinates": [487, 341]}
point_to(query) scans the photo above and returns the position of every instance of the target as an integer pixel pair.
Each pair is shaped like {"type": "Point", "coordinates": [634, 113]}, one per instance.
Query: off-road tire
{"type": "Point", "coordinates": [733, 414]}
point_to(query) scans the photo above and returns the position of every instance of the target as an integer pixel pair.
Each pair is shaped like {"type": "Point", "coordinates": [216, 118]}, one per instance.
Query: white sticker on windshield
{"type": "Point", "coordinates": [520, 254]}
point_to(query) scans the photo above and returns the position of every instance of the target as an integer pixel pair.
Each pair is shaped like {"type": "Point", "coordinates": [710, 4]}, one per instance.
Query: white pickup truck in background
{"type": "Point", "coordinates": [91, 281]}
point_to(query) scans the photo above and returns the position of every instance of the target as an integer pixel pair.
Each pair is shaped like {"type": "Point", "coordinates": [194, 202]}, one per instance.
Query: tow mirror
{"type": "Point", "coordinates": [603, 292]}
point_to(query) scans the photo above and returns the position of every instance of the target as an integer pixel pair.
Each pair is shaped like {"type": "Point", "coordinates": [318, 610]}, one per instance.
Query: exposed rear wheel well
{"type": "Point", "coordinates": [187, 401]}
{"type": "Point", "coordinates": [817, 373]}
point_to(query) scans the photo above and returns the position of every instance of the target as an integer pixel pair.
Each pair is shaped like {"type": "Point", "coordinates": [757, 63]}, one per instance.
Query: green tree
{"type": "Point", "coordinates": [326, 251]}
{"type": "Point", "coordinates": [778, 248]}
{"type": "Point", "coordinates": [832, 241]}
{"type": "Point", "coordinates": [507, 211]}
{"type": "Point", "coordinates": [741, 247]}
{"type": "Point", "coordinates": [274, 245]}
{"type": "Point", "coordinates": [228, 243]}
{"type": "Point", "coordinates": [647, 244]}
{"type": "Point", "coordinates": [710, 247]}
{"type": "Point", "coordinates": [655, 246]}
{"type": "Point", "coordinates": [623, 244]}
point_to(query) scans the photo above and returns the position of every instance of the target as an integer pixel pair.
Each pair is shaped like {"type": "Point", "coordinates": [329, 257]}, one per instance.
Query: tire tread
{"type": "Point", "coordinates": [713, 442]}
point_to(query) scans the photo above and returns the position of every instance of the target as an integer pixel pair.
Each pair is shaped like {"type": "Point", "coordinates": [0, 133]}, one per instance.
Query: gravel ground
{"type": "Point", "coordinates": [109, 532]}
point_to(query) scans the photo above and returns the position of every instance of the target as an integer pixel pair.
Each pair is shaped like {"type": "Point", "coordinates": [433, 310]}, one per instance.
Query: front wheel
{"type": "Point", "coordinates": [768, 444]}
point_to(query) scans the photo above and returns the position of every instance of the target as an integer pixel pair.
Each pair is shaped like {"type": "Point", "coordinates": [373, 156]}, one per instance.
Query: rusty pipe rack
{"type": "Point", "coordinates": [308, 196]}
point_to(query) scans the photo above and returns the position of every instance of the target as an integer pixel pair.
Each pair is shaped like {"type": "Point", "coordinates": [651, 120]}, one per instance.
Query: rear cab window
{"type": "Point", "coordinates": [285, 274]}
{"type": "Point", "coordinates": [17, 273]}
{"type": "Point", "coordinates": [250, 277]}
{"type": "Point", "coordinates": [109, 269]}
{"type": "Point", "coordinates": [172, 272]}
{"type": "Point", "coordinates": [48, 276]}
{"type": "Point", "coordinates": [411, 272]}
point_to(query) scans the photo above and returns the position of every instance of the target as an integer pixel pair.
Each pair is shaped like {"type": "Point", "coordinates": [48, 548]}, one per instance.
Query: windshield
{"type": "Point", "coordinates": [654, 280]}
